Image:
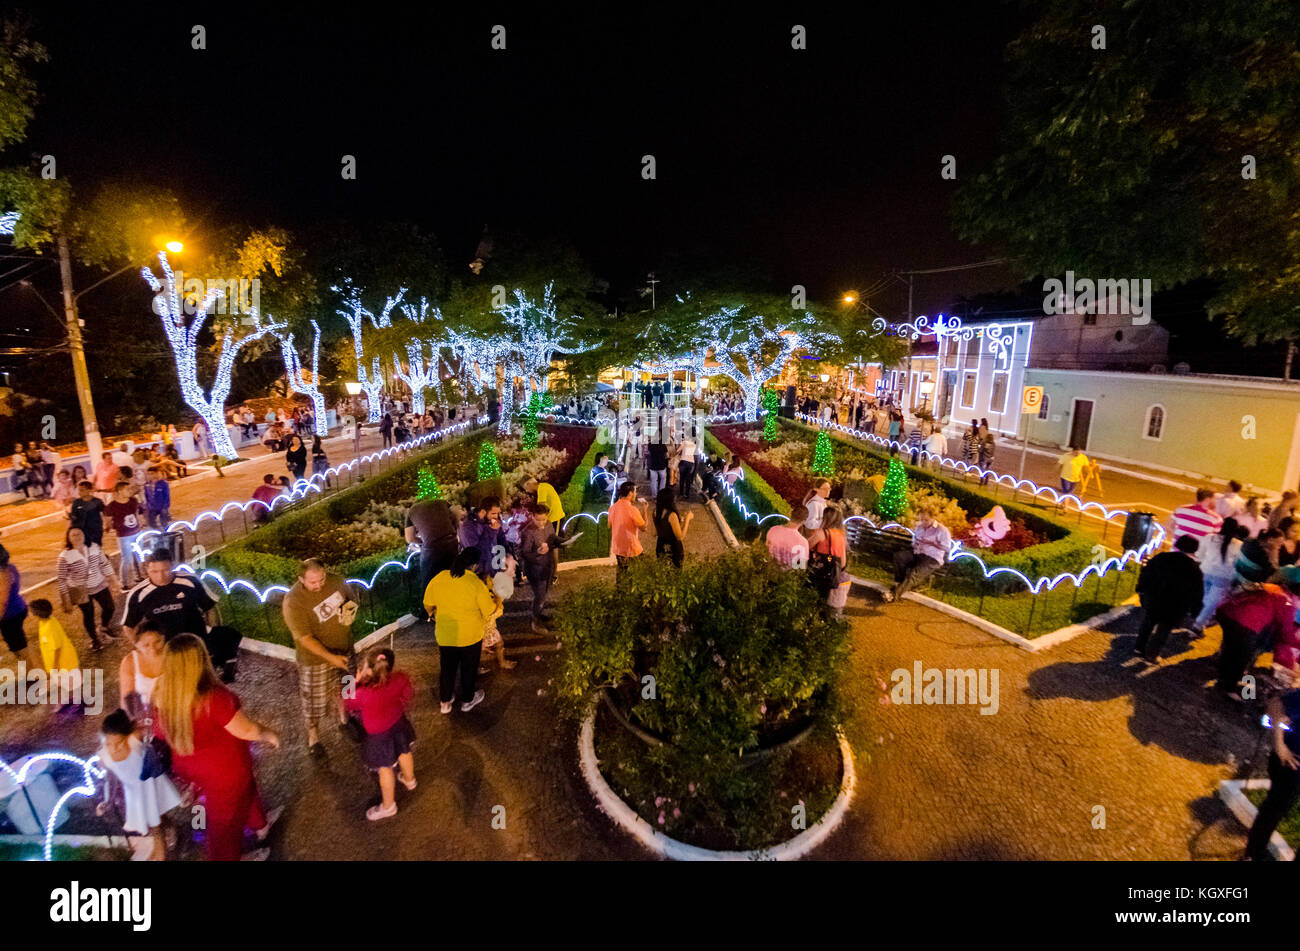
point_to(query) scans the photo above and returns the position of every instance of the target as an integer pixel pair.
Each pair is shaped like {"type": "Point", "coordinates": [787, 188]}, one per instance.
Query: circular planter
{"type": "Point", "coordinates": [627, 819]}
{"type": "Point", "coordinates": [651, 739]}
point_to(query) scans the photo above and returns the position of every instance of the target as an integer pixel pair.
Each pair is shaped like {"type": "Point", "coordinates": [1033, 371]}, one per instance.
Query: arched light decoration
{"type": "Point", "coordinates": [299, 489]}
{"type": "Point", "coordinates": [1035, 585]}
{"type": "Point", "coordinates": [183, 334]}
{"type": "Point", "coordinates": [90, 772]}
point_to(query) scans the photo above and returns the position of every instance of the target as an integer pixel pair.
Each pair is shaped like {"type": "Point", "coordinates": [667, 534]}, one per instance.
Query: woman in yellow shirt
{"type": "Point", "coordinates": [461, 606]}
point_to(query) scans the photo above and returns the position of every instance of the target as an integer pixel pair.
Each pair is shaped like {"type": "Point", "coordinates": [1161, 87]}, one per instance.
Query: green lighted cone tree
{"type": "Point", "coordinates": [893, 494]}
{"type": "Point", "coordinates": [771, 403]}
{"type": "Point", "coordinates": [824, 457]}
{"type": "Point", "coordinates": [530, 423]}
{"type": "Point", "coordinates": [488, 467]}
{"type": "Point", "coordinates": [426, 484]}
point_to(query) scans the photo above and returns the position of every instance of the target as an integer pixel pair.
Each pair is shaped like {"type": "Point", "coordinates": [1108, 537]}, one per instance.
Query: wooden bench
{"type": "Point", "coordinates": [884, 543]}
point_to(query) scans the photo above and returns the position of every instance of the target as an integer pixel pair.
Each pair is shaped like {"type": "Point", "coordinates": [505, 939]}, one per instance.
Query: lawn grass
{"type": "Point", "coordinates": [1289, 827]}
{"type": "Point", "coordinates": [594, 542]}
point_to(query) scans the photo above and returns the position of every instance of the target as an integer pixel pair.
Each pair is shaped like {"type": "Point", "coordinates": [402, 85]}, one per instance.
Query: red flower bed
{"type": "Point", "coordinates": [573, 441]}
{"type": "Point", "coordinates": [1018, 536]}
{"type": "Point", "coordinates": [744, 440]}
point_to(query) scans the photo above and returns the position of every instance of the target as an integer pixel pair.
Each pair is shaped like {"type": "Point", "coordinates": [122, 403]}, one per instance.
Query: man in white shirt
{"type": "Point", "coordinates": [931, 542]}
{"type": "Point", "coordinates": [1230, 504]}
{"type": "Point", "coordinates": [685, 467]}
{"type": "Point", "coordinates": [936, 444]}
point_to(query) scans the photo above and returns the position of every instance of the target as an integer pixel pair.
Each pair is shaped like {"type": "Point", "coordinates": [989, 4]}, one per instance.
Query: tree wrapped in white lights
{"type": "Point", "coordinates": [752, 344]}
{"type": "Point", "coordinates": [418, 375]}
{"type": "Point", "coordinates": [183, 334]}
{"type": "Point", "coordinates": [297, 378]}
{"type": "Point", "coordinates": [537, 333]}
{"type": "Point", "coordinates": [372, 384]}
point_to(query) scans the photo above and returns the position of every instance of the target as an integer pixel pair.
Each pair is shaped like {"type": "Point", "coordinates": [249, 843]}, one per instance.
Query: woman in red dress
{"type": "Point", "coordinates": [209, 737]}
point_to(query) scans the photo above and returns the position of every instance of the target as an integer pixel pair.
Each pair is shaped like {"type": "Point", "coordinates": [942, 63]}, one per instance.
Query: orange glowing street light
{"type": "Point", "coordinates": [175, 247]}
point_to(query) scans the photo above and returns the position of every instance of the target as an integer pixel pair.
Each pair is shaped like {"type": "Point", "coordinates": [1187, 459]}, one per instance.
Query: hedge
{"type": "Point", "coordinates": [753, 490]}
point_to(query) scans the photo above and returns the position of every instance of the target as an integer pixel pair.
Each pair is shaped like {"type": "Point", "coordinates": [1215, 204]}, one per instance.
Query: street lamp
{"type": "Point", "coordinates": [927, 387]}
{"type": "Point", "coordinates": [175, 247]}
{"type": "Point", "coordinates": [354, 391]}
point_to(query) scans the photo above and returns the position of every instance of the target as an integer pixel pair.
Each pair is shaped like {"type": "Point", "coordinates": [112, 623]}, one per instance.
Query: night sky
{"type": "Point", "coordinates": [821, 167]}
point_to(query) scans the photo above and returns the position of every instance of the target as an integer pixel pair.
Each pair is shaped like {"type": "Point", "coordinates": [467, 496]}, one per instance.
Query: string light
{"type": "Point", "coordinates": [8, 221]}
{"type": "Point", "coordinates": [89, 773]}
{"type": "Point", "coordinates": [488, 467]}
{"type": "Point", "coordinates": [372, 384]}
{"type": "Point", "coordinates": [299, 489]}
{"type": "Point", "coordinates": [297, 383]}
{"type": "Point", "coordinates": [183, 335]}
{"type": "Point", "coordinates": [823, 455]}
{"type": "Point", "coordinates": [892, 501]}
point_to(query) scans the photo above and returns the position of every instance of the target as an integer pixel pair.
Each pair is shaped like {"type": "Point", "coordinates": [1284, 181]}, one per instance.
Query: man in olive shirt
{"type": "Point", "coordinates": [319, 610]}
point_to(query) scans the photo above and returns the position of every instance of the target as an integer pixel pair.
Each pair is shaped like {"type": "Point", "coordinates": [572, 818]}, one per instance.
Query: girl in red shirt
{"type": "Point", "coordinates": [209, 737]}
{"type": "Point", "coordinates": [382, 696]}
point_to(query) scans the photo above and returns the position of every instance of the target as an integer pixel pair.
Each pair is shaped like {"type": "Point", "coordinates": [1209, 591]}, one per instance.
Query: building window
{"type": "Point", "coordinates": [998, 396]}
{"type": "Point", "coordinates": [972, 354]}
{"type": "Point", "coordinates": [968, 391]}
{"type": "Point", "coordinates": [950, 355]}
{"type": "Point", "coordinates": [1042, 407]}
{"type": "Point", "coordinates": [1155, 423]}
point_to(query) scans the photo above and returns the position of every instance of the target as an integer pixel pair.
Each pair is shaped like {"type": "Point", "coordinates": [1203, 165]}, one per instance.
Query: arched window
{"type": "Point", "coordinates": [1155, 422]}
{"type": "Point", "coordinates": [1042, 407]}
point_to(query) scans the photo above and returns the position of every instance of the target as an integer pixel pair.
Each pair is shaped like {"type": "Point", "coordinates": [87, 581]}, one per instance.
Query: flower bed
{"type": "Point", "coordinates": [358, 530]}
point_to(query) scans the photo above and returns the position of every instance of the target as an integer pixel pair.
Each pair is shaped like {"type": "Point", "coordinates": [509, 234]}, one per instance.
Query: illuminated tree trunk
{"type": "Point", "coordinates": [298, 383]}
{"type": "Point", "coordinates": [182, 334]}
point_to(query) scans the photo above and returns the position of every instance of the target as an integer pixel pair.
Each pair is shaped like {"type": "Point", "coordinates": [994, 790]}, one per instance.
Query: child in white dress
{"type": "Point", "coordinates": [122, 754]}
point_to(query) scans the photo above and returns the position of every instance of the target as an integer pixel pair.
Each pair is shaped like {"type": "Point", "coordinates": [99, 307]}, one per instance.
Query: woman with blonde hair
{"type": "Point", "coordinates": [209, 736]}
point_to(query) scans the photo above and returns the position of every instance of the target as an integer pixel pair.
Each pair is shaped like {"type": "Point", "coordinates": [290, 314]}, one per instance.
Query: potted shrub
{"type": "Point", "coordinates": [720, 665]}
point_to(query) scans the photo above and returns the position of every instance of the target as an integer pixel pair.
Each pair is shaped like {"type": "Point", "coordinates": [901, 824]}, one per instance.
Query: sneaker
{"type": "Point", "coordinates": [380, 812]}
{"type": "Point", "coordinates": [257, 855]}
{"type": "Point", "coordinates": [445, 707]}
{"type": "Point", "coordinates": [887, 597]}
{"type": "Point", "coordinates": [402, 779]}
{"type": "Point", "coordinates": [470, 704]}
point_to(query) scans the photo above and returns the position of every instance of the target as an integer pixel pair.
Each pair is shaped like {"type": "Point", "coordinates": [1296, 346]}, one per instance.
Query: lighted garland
{"type": "Point", "coordinates": [530, 423]}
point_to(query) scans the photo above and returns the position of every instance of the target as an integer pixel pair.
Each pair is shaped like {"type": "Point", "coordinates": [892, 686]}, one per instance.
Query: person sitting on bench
{"type": "Point", "coordinates": [931, 543]}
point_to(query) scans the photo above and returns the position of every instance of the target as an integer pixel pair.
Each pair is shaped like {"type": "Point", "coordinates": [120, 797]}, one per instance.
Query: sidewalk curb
{"type": "Point", "coordinates": [626, 818]}
{"type": "Point", "coordinates": [728, 535]}
{"type": "Point", "coordinates": [1071, 631]}
{"type": "Point", "coordinates": [289, 655]}
{"type": "Point", "coordinates": [1233, 794]}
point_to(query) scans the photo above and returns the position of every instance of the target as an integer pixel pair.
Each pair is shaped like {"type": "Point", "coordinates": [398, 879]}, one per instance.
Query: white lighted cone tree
{"type": "Point", "coordinates": [372, 383]}
{"type": "Point", "coordinates": [297, 378]}
{"type": "Point", "coordinates": [183, 334]}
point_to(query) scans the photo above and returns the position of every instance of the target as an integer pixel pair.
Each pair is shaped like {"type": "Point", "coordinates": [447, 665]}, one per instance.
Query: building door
{"type": "Point", "coordinates": [949, 385]}
{"type": "Point", "coordinates": [1081, 424]}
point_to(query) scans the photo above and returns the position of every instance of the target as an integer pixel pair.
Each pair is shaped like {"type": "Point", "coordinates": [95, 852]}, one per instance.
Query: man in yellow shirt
{"type": "Point", "coordinates": [461, 607]}
{"type": "Point", "coordinates": [1071, 465]}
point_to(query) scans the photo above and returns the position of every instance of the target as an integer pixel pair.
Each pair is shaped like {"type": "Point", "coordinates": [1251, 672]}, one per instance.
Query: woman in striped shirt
{"type": "Point", "coordinates": [85, 579]}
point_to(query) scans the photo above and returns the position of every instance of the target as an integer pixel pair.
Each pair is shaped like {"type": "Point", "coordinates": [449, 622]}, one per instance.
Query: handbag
{"type": "Point", "coordinates": [157, 754]}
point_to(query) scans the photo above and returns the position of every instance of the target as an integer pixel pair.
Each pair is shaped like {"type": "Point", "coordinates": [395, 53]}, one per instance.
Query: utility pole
{"type": "Point", "coordinates": [1290, 359]}
{"type": "Point", "coordinates": [82, 376]}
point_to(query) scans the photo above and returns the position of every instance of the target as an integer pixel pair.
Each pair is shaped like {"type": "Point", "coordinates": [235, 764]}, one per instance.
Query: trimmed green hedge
{"type": "Point", "coordinates": [754, 491]}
